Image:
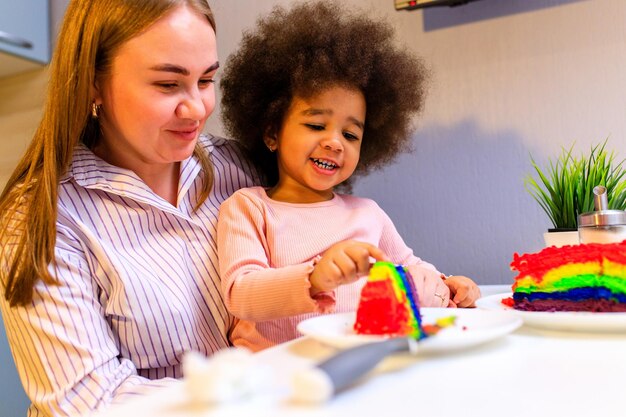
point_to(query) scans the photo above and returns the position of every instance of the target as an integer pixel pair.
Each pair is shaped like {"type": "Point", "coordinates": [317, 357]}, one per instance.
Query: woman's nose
{"type": "Point", "coordinates": [191, 107]}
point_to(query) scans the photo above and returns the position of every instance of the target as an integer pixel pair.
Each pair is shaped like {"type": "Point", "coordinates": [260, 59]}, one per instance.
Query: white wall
{"type": "Point", "coordinates": [510, 77]}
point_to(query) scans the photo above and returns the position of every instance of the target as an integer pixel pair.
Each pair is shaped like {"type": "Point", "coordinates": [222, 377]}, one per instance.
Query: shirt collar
{"type": "Point", "coordinates": [90, 171]}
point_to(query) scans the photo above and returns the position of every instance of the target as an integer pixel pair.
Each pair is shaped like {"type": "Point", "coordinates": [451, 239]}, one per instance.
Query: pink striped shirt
{"type": "Point", "coordinates": [139, 285]}
{"type": "Point", "coordinates": [266, 252]}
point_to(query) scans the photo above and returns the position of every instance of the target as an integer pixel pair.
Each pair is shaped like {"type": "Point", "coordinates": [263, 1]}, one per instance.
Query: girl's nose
{"type": "Point", "coordinates": [333, 144]}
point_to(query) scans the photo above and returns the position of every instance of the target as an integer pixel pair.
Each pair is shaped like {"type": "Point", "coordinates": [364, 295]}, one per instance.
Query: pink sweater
{"type": "Point", "coordinates": [267, 249]}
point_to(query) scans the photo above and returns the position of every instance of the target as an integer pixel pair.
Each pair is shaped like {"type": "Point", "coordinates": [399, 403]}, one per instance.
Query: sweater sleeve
{"type": "Point", "coordinates": [254, 290]}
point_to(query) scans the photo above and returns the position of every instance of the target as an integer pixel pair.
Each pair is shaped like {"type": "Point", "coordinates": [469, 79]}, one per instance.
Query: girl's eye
{"type": "Point", "coordinates": [314, 126]}
{"type": "Point", "coordinates": [350, 136]}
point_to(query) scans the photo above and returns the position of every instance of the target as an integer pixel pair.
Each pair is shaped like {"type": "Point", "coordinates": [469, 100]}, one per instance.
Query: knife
{"type": "Point", "coordinates": [318, 384]}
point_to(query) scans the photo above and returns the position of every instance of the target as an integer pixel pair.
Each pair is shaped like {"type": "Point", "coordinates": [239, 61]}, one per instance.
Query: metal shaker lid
{"type": "Point", "coordinates": [602, 216]}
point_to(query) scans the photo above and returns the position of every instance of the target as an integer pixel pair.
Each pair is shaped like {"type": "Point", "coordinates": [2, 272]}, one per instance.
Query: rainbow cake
{"type": "Point", "coordinates": [389, 304]}
{"type": "Point", "coordinates": [586, 277]}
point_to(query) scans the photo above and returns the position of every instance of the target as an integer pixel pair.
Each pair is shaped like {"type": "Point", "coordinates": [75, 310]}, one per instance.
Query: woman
{"type": "Point", "coordinates": [108, 265]}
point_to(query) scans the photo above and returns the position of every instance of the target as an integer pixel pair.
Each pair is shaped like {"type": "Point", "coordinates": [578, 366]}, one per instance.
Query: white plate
{"type": "Point", "coordinates": [580, 321]}
{"type": "Point", "coordinates": [472, 327]}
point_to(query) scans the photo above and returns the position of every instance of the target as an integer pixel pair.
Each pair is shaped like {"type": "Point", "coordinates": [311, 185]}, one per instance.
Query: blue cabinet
{"type": "Point", "coordinates": [24, 34]}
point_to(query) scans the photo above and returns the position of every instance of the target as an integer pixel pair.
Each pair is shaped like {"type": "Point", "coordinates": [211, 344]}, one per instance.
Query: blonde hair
{"type": "Point", "coordinates": [91, 33]}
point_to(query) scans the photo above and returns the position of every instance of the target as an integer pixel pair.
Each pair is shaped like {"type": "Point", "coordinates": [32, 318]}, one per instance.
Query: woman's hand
{"type": "Point", "coordinates": [431, 289]}
{"type": "Point", "coordinates": [343, 263]}
{"type": "Point", "coordinates": [463, 291]}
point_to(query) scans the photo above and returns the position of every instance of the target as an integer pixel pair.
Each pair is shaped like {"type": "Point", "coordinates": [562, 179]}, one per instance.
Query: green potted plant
{"type": "Point", "coordinates": [565, 189]}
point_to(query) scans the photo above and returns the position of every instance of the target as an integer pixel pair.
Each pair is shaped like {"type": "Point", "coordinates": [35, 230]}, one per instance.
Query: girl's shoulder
{"type": "Point", "coordinates": [362, 204]}
{"type": "Point", "coordinates": [247, 196]}
{"type": "Point", "coordinates": [245, 200]}
{"type": "Point", "coordinates": [356, 201]}
{"type": "Point", "coordinates": [252, 193]}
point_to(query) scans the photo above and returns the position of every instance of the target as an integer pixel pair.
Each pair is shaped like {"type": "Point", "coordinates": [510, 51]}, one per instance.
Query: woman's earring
{"type": "Point", "coordinates": [95, 110]}
{"type": "Point", "coordinates": [271, 148]}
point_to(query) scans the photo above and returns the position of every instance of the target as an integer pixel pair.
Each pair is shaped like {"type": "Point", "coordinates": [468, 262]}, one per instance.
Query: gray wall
{"type": "Point", "coordinates": [510, 78]}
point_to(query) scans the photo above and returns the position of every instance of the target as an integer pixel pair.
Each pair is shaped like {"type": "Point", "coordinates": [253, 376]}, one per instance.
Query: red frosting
{"type": "Point", "coordinates": [508, 301]}
{"type": "Point", "coordinates": [380, 312]}
{"type": "Point", "coordinates": [537, 264]}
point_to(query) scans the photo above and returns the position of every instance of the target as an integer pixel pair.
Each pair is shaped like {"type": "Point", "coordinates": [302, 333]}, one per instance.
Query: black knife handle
{"type": "Point", "coordinates": [347, 366]}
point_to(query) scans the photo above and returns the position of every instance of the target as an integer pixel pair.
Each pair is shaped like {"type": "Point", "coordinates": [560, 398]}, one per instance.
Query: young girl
{"type": "Point", "coordinates": [316, 95]}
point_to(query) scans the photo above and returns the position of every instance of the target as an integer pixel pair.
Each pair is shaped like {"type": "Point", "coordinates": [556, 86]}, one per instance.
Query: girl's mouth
{"type": "Point", "coordinates": [323, 164]}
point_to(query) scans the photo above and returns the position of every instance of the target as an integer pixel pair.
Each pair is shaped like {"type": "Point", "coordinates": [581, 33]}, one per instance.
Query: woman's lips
{"type": "Point", "coordinates": [186, 134]}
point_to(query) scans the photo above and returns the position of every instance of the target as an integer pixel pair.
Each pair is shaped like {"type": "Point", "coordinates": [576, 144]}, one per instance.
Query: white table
{"type": "Point", "coordinates": [529, 372]}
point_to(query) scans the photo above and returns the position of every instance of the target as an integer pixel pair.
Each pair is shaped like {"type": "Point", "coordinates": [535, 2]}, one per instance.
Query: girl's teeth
{"type": "Point", "coordinates": [324, 165]}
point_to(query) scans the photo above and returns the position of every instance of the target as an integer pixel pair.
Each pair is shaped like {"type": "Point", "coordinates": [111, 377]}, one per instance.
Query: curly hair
{"type": "Point", "coordinates": [304, 50]}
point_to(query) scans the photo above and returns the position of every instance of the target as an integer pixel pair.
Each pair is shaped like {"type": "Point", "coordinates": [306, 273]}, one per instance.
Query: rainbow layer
{"type": "Point", "coordinates": [587, 277]}
{"type": "Point", "coordinates": [389, 304]}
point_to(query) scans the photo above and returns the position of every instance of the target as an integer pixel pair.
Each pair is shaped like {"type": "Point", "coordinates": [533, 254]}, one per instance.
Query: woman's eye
{"type": "Point", "coordinates": [166, 85]}
{"type": "Point", "coordinates": [205, 82]}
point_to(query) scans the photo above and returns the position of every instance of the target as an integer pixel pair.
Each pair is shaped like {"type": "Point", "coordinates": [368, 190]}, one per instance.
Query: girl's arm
{"type": "Point", "coordinates": [393, 245]}
{"type": "Point", "coordinates": [252, 288]}
{"type": "Point", "coordinates": [464, 291]}
{"type": "Point", "coordinates": [434, 292]}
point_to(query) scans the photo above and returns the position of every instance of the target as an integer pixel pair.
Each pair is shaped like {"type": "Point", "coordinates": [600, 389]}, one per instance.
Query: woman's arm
{"type": "Point", "coordinates": [64, 348]}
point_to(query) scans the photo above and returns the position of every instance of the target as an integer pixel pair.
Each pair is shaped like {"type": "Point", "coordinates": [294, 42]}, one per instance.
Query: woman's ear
{"type": "Point", "coordinates": [95, 104]}
{"type": "Point", "coordinates": [96, 97]}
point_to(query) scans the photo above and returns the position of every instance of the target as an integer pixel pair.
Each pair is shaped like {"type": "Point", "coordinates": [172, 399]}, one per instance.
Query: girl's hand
{"type": "Point", "coordinates": [343, 263]}
{"type": "Point", "coordinates": [431, 289]}
{"type": "Point", "coordinates": [464, 291]}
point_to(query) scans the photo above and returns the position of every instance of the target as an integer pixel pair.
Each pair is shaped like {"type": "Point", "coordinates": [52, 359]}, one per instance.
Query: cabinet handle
{"type": "Point", "coordinates": [15, 40]}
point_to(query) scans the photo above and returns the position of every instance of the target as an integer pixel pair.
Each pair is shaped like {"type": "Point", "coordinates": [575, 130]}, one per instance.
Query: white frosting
{"type": "Point", "coordinates": [229, 375]}
{"type": "Point", "coordinates": [311, 386]}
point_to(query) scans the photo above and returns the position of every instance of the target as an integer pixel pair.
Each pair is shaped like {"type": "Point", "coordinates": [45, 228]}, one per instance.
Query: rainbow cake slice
{"type": "Point", "coordinates": [389, 304]}
{"type": "Point", "coordinates": [586, 277]}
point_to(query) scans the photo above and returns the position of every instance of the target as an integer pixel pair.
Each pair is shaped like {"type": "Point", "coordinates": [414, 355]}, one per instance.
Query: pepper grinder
{"type": "Point", "coordinates": [602, 225]}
